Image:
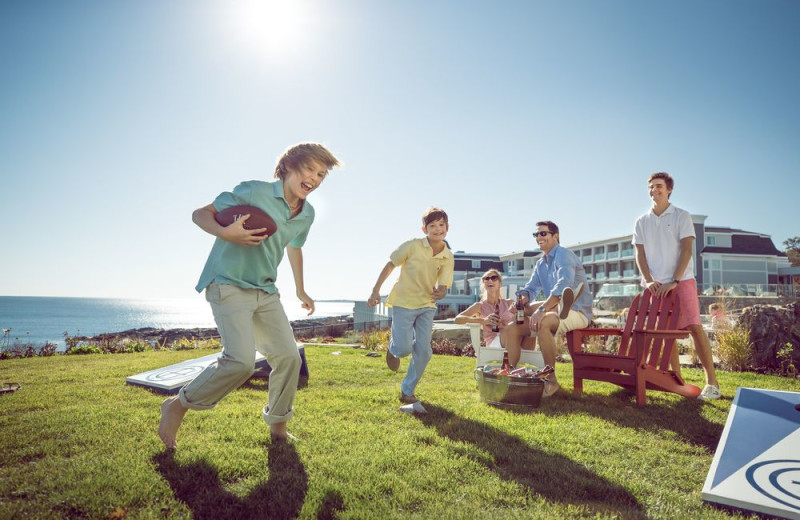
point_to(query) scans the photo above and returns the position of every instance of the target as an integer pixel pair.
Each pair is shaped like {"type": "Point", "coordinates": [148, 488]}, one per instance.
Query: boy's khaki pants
{"type": "Point", "coordinates": [248, 320]}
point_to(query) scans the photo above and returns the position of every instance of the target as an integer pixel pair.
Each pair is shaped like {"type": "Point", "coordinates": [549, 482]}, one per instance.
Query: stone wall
{"type": "Point", "coordinates": [773, 328]}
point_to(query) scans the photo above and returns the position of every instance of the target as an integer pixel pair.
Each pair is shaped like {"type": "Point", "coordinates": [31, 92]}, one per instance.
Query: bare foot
{"type": "Point", "coordinates": [279, 432]}
{"type": "Point", "coordinates": [172, 412]}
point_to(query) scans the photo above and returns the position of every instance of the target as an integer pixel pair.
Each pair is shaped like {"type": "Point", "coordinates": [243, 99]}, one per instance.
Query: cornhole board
{"type": "Point", "coordinates": [170, 379]}
{"type": "Point", "coordinates": [757, 463]}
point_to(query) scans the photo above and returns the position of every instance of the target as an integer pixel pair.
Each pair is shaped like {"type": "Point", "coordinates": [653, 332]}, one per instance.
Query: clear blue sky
{"type": "Point", "coordinates": [118, 118]}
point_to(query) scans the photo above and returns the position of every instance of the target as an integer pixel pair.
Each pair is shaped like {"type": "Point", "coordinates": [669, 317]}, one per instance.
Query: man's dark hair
{"type": "Point", "coordinates": [551, 226]}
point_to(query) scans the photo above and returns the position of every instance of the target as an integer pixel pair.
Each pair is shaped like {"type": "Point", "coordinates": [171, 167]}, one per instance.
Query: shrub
{"type": "Point", "coordinates": [84, 349]}
{"type": "Point", "coordinates": [48, 349]}
{"type": "Point", "coordinates": [135, 346]}
{"type": "Point", "coordinates": [734, 348]}
{"type": "Point", "coordinates": [785, 357]}
{"type": "Point", "coordinates": [376, 340]}
{"type": "Point", "coordinates": [184, 344]}
{"type": "Point", "coordinates": [212, 343]}
{"type": "Point", "coordinates": [70, 341]}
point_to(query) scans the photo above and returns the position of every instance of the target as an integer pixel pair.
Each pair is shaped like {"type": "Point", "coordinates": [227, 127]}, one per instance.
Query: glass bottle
{"type": "Point", "coordinates": [496, 326]}
{"type": "Point", "coordinates": [520, 311]}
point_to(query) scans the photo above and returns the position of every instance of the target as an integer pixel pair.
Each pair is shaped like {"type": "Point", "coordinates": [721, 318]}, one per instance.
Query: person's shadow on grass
{"type": "Point", "coordinates": [553, 477]}
{"type": "Point", "coordinates": [198, 486]}
{"type": "Point", "coordinates": [683, 416]}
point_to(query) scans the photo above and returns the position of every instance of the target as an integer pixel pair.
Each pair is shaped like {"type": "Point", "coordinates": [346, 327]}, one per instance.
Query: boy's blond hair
{"type": "Point", "coordinates": [432, 214]}
{"type": "Point", "coordinates": [296, 156]}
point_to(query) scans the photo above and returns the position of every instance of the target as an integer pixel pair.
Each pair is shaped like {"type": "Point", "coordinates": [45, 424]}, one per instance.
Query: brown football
{"type": "Point", "coordinates": [258, 218]}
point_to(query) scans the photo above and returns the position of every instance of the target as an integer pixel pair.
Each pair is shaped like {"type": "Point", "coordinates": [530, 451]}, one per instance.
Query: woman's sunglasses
{"type": "Point", "coordinates": [492, 277]}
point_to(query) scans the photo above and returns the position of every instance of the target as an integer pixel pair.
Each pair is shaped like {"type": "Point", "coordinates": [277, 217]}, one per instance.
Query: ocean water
{"type": "Point", "coordinates": [40, 319]}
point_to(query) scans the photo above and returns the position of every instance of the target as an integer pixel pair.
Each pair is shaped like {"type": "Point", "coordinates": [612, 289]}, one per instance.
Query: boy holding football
{"type": "Point", "coordinates": [239, 284]}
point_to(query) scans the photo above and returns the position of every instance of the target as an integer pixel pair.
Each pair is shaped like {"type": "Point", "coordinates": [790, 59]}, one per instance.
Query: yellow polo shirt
{"type": "Point", "coordinates": [420, 272]}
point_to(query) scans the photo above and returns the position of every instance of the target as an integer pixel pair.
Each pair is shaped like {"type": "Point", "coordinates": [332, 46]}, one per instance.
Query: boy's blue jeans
{"type": "Point", "coordinates": [411, 334]}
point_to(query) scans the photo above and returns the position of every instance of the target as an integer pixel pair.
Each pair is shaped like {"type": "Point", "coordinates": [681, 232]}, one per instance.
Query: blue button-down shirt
{"type": "Point", "coordinates": [554, 272]}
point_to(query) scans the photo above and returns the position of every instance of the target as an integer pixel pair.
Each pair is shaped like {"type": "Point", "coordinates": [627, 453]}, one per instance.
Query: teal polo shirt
{"type": "Point", "coordinates": [256, 267]}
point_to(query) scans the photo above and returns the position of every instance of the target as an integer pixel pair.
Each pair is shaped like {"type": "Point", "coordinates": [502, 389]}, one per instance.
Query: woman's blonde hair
{"type": "Point", "coordinates": [484, 275]}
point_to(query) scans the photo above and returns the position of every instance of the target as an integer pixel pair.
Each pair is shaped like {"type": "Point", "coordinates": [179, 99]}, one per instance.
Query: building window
{"type": "Point", "coordinates": [711, 241]}
{"type": "Point", "coordinates": [476, 264]}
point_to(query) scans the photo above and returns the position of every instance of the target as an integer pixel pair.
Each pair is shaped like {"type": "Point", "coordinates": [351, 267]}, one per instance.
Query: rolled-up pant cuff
{"type": "Point", "coordinates": [270, 418]}
{"type": "Point", "coordinates": [191, 406]}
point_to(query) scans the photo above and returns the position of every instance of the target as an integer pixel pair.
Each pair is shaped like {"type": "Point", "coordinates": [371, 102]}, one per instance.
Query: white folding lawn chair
{"type": "Point", "coordinates": [487, 355]}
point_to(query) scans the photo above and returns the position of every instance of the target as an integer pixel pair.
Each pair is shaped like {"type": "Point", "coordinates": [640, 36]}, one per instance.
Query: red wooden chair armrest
{"type": "Point", "coordinates": [664, 334]}
{"type": "Point", "coordinates": [594, 331]}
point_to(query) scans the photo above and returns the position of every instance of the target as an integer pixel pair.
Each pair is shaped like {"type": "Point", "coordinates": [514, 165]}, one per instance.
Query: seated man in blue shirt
{"type": "Point", "coordinates": [560, 277]}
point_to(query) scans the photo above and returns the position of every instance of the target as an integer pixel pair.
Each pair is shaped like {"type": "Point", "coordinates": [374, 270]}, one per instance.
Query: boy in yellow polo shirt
{"type": "Point", "coordinates": [426, 271]}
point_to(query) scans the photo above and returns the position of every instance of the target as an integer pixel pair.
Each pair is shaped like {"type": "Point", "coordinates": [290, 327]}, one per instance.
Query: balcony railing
{"type": "Point", "coordinates": [748, 289]}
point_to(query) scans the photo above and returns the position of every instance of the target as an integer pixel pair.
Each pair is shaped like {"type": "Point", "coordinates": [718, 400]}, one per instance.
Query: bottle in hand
{"type": "Point", "coordinates": [496, 326]}
{"type": "Point", "coordinates": [520, 311]}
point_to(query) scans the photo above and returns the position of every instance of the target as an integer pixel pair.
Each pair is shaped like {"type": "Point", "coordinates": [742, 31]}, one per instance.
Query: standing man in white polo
{"type": "Point", "coordinates": [663, 238]}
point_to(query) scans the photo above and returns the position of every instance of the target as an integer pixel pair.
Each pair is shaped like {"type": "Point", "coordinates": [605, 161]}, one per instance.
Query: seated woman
{"type": "Point", "coordinates": [485, 311]}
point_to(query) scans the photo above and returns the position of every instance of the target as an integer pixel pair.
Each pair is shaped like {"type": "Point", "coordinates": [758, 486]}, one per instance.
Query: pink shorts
{"type": "Point", "coordinates": [690, 305]}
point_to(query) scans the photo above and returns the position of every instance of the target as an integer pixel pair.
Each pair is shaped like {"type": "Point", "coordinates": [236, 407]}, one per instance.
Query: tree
{"type": "Point", "coordinates": [793, 250]}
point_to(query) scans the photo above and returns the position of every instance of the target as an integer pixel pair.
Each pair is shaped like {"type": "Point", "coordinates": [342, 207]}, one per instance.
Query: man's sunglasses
{"type": "Point", "coordinates": [543, 233]}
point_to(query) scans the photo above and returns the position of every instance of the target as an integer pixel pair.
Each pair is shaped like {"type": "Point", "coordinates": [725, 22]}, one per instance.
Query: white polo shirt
{"type": "Point", "coordinates": [661, 237]}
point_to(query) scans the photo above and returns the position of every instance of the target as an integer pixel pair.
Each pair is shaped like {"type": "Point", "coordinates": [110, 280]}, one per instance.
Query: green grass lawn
{"type": "Point", "coordinates": [78, 443]}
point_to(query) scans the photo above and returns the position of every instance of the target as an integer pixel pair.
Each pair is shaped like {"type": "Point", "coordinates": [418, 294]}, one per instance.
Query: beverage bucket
{"type": "Point", "coordinates": [502, 390]}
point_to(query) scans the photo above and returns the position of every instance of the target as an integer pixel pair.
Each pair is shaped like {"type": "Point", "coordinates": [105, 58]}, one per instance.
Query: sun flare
{"type": "Point", "coordinates": [272, 29]}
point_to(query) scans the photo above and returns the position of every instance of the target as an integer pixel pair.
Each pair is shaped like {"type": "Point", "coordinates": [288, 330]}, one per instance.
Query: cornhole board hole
{"type": "Point", "coordinates": [757, 463]}
{"type": "Point", "coordinates": [170, 379]}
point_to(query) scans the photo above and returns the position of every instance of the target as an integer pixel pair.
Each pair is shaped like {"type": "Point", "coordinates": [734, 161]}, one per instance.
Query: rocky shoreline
{"type": "Point", "coordinates": [328, 326]}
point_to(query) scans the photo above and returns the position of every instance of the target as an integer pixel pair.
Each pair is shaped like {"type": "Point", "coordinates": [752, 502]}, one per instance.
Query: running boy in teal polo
{"type": "Point", "coordinates": [239, 283]}
{"type": "Point", "coordinates": [426, 271]}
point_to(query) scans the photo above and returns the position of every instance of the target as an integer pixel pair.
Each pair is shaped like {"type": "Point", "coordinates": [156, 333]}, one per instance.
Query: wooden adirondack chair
{"type": "Point", "coordinates": [646, 344]}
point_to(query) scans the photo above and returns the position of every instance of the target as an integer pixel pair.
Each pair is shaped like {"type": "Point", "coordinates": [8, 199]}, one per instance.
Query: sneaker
{"type": "Point", "coordinates": [550, 388]}
{"type": "Point", "coordinates": [568, 297]}
{"type": "Point", "coordinates": [392, 361]}
{"type": "Point", "coordinates": [415, 408]}
{"type": "Point", "coordinates": [408, 399]}
{"type": "Point", "coordinates": [709, 392]}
